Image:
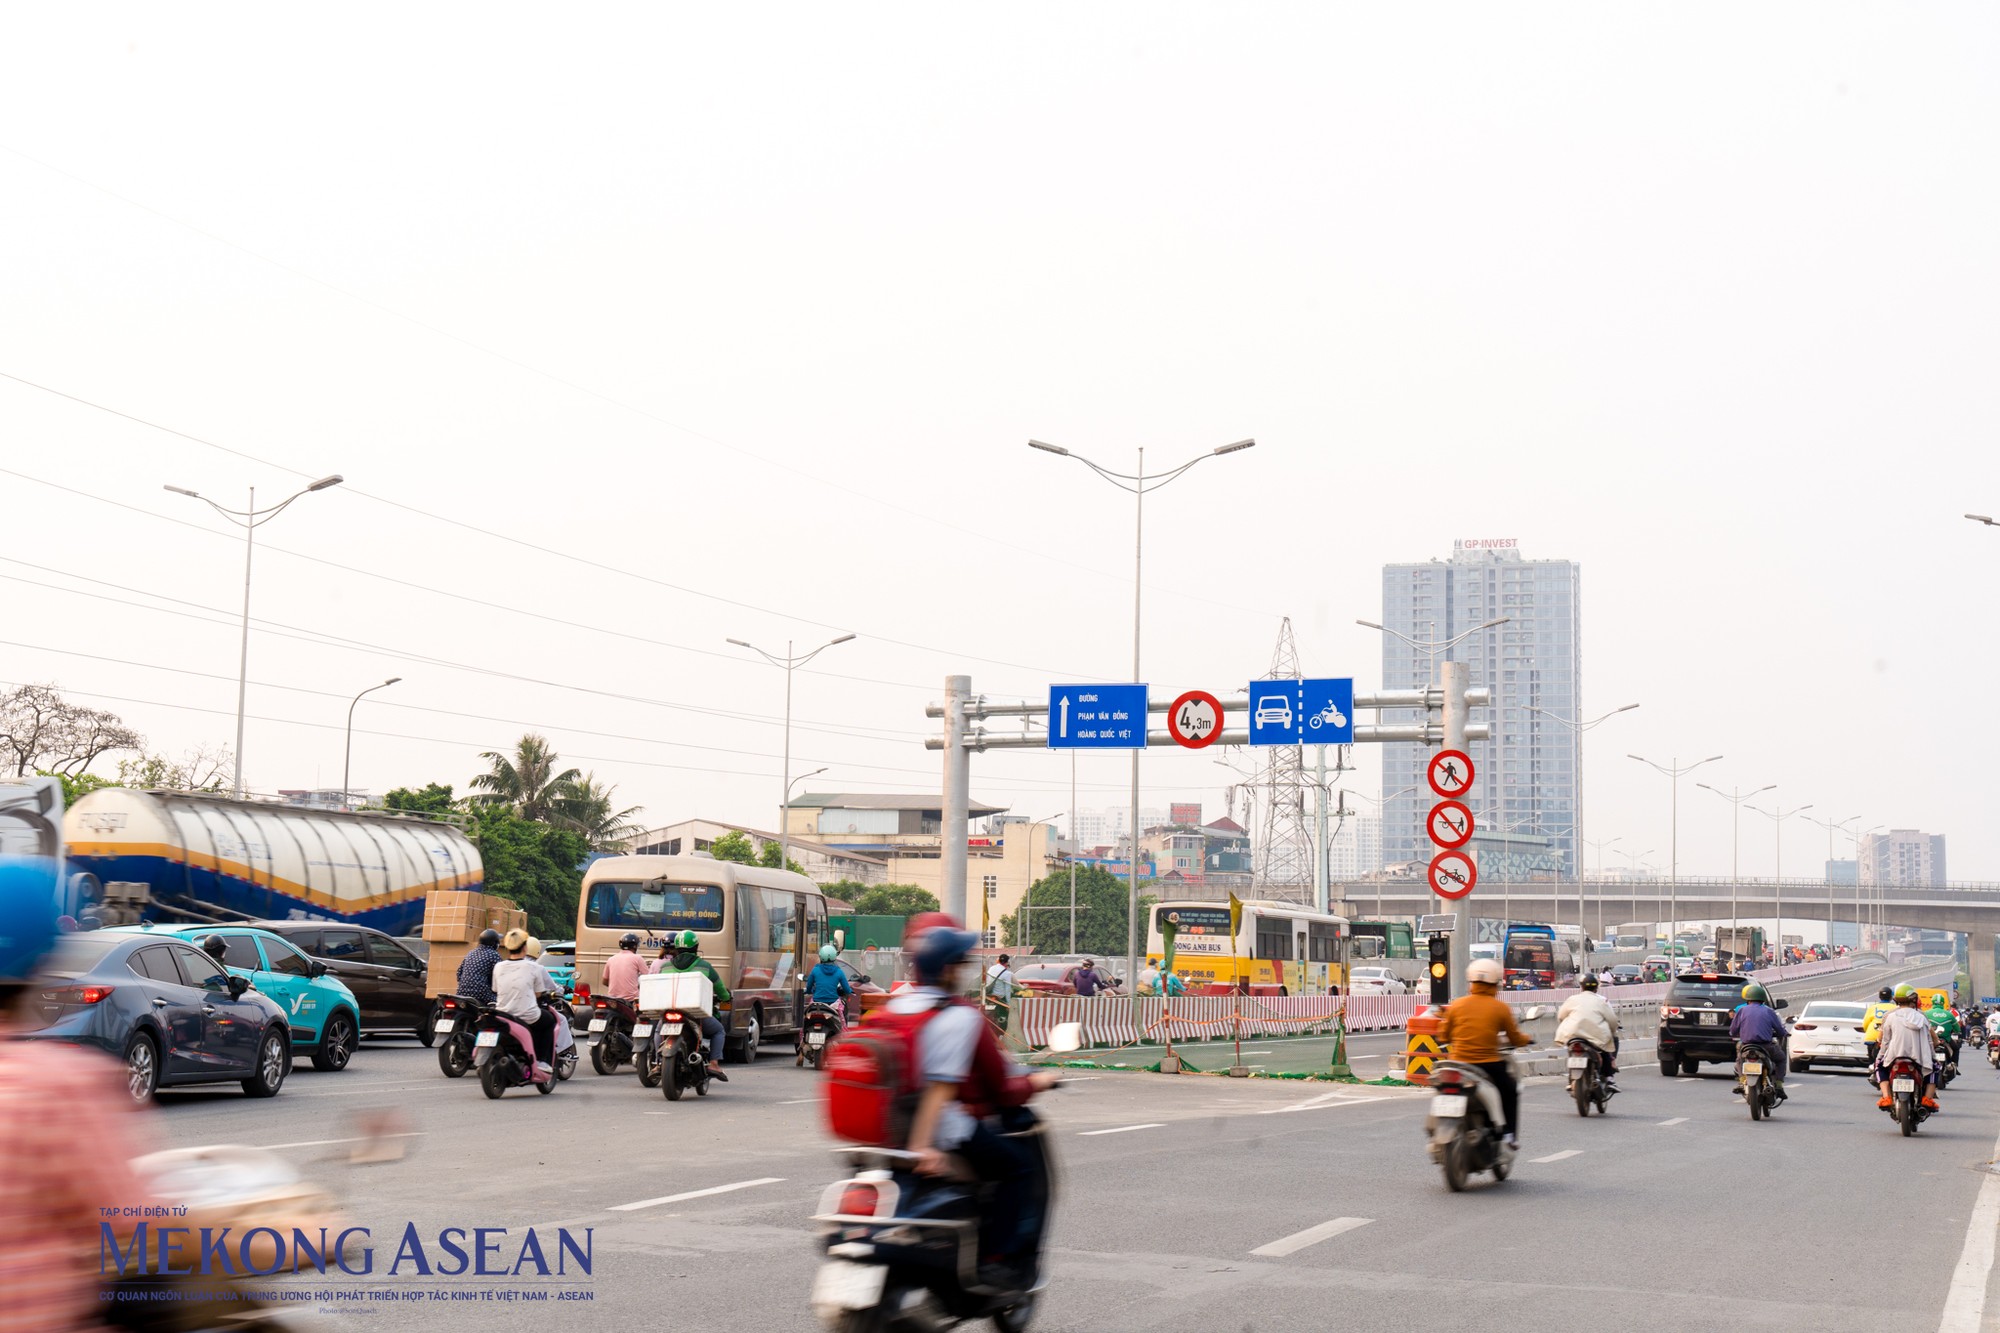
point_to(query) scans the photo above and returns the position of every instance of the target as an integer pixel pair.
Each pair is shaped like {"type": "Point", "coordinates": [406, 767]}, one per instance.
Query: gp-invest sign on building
{"type": "Point", "coordinates": [1097, 717]}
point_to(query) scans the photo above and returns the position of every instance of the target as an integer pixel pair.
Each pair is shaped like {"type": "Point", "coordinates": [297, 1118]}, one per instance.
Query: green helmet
{"type": "Point", "coordinates": [1756, 994]}
{"type": "Point", "coordinates": [1937, 1001]}
{"type": "Point", "coordinates": [688, 941]}
{"type": "Point", "coordinates": [827, 953]}
{"type": "Point", "coordinates": [1905, 991]}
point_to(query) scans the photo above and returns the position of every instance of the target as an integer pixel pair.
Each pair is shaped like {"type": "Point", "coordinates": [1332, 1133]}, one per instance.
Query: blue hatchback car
{"type": "Point", "coordinates": [322, 1012]}
{"type": "Point", "coordinates": [163, 1008]}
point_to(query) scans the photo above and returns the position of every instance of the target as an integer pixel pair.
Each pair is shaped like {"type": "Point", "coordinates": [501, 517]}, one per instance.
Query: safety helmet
{"type": "Point", "coordinates": [1937, 1001]}
{"type": "Point", "coordinates": [827, 953]}
{"type": "Point", "coordinates": [1885, 995]}
{"type": "Point", "coordinates": [214, 947]}
{"type": "Point", "coordinates": [27, 914]}
{"type": "Point", "coordinates": [1485, 972]}
{"type": "Point", "coordinates": [534, 947]}
{"type": "Point", "coordinates": [940, 948]}
{"type": "Point", "coordinates": [628, 940]}
{"type": "Point", "coordinates": [1588, 981]}
{"type": "Point", "coordinates": [688, 941]}
{"type": "Point", "coordinates": [1906, 992]}
{"type": "Point", "coordinates": [489, 939]}
{"type": "Point", "coordinates": [516, 941]}
{"type": "Point", "coordinates": [1756, 994]}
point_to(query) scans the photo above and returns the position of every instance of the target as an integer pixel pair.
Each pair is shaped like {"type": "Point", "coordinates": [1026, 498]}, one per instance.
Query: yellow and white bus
{"type": "Point", "coordinates": [1275, 944]}
{"type": "Point", "coordinates": [755, 926]}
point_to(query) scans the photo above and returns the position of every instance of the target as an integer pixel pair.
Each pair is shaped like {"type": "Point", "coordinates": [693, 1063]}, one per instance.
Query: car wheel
{"type": "Point", "coordinates": [427, 1033]}
{"type": "Point", "coordinates": [753, 1037]}
{"type": "Point", "coordinates": [336, 1045]}
{"type": "Point", "coordinates": [1668, 1069]}
{"type": "Point", "coordinates": [142, 1068]}
{"type": "Point", "coordinates": [271, 1066]}
{"type": "Point", "coordinates": [1689, 1068]}
{"type": "Point", "coordinates": [1801, 1066]}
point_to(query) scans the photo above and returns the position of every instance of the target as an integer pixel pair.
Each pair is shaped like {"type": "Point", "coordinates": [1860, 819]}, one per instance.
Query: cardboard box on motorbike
{"type": "Point", "coordinates": [689, 992]}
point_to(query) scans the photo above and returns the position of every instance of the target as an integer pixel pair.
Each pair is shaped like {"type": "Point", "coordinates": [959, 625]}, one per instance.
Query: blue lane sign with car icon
{"type": "Point", "coordinates": [1302, 712]}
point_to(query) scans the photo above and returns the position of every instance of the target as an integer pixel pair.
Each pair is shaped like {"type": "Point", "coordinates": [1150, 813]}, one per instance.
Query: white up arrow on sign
{"type": "Point", "coordinates": [1065, 715]}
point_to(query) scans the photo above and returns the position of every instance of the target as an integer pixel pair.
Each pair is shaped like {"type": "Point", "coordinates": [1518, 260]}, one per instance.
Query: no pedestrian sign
{"type": "Point", "coordinates": [1195, 719]}
{"type": "Point", "coordinates": [1450, 773]}
{"type": "Point", "coordinates": [1452, 874]}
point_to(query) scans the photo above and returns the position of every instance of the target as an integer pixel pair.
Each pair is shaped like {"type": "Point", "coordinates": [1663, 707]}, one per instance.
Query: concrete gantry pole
{"type": "Point", "coordinates": [957, 796]}
{"type": "Point", "coordinates": [1451, 678]}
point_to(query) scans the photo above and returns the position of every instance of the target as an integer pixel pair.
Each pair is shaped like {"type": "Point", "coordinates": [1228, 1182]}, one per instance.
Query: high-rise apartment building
{"type": "Point", "coordinates": [1903, 858]}
{"type": "Point", "coordinates": [1355, 849]}
{"type": "Point", "coordinates": [1528, 775]}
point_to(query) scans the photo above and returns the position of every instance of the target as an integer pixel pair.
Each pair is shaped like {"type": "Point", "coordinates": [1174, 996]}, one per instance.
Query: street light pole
{"type": "Point", "coordinates": [1830, 825]}
{"type": "Point", "coordinates": [1675, 772]}
{"type": "Point", "coordinates": [1138, 483]}
{"type": "Point", "coordinates": [1735, 797]}
{"type": "Point", "coordinates": [790, 662]}
{"type": "Point", "coordinates": [249, 520]}
{"type": "Point", "coordinates": [1778, 818]}
{"type": "Point", "coordinates": [1578, 729]}
{"type": "Point", "coordinates": [1599, 847]}
{"type": "Point", "coordinates": [347, 757]}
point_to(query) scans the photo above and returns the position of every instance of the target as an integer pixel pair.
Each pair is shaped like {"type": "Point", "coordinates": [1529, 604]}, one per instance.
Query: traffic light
{"type": "Point", "coordinates": [1440, 969]}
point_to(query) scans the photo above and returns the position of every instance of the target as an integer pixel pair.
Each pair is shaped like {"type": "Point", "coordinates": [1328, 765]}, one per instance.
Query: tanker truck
{"type": "Point", "coordinates": [199, 856]}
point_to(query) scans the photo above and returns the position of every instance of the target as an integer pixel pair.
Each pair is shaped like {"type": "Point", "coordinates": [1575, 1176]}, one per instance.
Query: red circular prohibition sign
{"type": "Point", "coordinates": [1195, 740]}
{"type": "Point", "coordinates": [1450, 773]}
{"type": "Point", "coordinates": [1452, 874]}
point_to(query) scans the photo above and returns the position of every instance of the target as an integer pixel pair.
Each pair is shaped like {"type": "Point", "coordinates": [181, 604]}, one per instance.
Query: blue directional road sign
{"type": "Point", "coordinates": [1302, 712]}
{"type": "Point", "coordinates": [1097, 717]}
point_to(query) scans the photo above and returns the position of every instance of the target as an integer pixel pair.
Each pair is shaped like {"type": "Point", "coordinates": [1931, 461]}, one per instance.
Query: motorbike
{"type": "Point", "coordinates": [566, 1058]}
{"type": "Point", "coordinates": [612, 1033]}
{"type": "Point", "coordinates": [452, 1024]}
{"type": "Point", "coordinates": [1941, 1061]}
{"type": "Point", "coordinates": [1586, 1078]}
{"type": "Point", "coordinates": [1754, 1081]}
{"type": "Point", "coordinates": [1464, 1122]}
{"type": "Point", "coordinates": [1906, 1082]}
{"type": "Point", "coordinates": [821, 1024]}
{"type": "Point", "coordinates": [678, 1058]}
{"type": "Point", "coordinates": [903, 1250]}
{"type": "Point", "coordinates": [1993, 1053]}
{"type": "Point", "coordinates": [504, 1052]}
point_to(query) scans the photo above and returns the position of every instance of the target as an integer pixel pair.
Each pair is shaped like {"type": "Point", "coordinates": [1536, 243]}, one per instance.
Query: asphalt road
{"type": "Point", "coordinates": [1189, 1204]}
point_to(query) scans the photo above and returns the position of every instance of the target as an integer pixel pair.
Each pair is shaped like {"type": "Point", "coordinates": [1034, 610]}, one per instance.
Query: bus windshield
{"type": "Point", "coordinates": [1531, 959]}
{"type": "Point", "coordinates": [654, 906]}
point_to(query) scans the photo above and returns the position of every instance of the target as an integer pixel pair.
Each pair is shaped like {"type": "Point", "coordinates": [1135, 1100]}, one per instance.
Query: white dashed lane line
{"type": "Point", "coordinates": [1677, 1120]}
{"type": "Point", "coordinates": [1121, 1129]}
{"type": "Point", "coordinates": [1299, 1240]}
{"type": "Point", "coordinates": [1559, 1156]}
{"type": "Point", "coordinates": [695, 1194]}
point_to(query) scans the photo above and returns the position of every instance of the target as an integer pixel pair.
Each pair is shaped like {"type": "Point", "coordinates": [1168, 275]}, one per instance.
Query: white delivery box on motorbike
{"type": "Point", "coordinates": [689, 992]}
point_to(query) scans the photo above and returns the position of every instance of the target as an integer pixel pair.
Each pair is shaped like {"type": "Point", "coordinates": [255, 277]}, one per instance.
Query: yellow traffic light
{"type": "Point", "coordinates": [1438, 970]}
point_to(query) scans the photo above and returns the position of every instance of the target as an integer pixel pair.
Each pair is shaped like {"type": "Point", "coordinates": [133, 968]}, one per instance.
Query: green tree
{"type": "Point", "coordinates": [535, 865]}
{"type": "Point", "coordinates": [894, 900]}
{"type": "Point", "coordinates": [586, 808]}
{"type": "Point", "coordinates": [1102, 914]}
{"type": "Point", "coordinates": [734, 846]}
{"type": "Point", "coordinates": [527, 780]}
{"type": "Point", "coordinates": [768, 858]}
{"type": "Point", "coordinates": [433, 799]}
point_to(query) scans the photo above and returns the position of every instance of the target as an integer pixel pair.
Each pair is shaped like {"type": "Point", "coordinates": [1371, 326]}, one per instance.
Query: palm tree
{"type": "Point", "coordinates": [586, 807]}
{"type": "Point", "coordinates": [526, 780]}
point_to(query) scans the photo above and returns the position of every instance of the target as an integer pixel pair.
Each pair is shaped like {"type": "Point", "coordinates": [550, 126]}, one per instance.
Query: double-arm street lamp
{"type": "Point", "coordinates": [249, 520]}
{"type": "Point", "coordinates": [1579, 728]}
{"type": "Point", "coordinates": [1778, 818]}
{"type": "Point", "coordinates": [1138, 484]}
{"type": "Point", "coordinates": [1675, 772]}
{"type": "Point", "coordinates": [1830, 825]}
{"type": "Point", "coordinates": [347, 754]}
{"type": "Point", "coordinates": [790, 662]}
{"type": "Point", "coordinates": [1736, 796]}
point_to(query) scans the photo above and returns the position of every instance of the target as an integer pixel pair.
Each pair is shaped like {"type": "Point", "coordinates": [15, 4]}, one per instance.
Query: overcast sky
{"type": "Point", "coordinates": [743, 315]}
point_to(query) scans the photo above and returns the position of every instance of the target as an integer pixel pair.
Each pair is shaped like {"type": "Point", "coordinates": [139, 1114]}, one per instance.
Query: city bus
{"type": "Point", "coordinates": [1382, 939]}
{"type": "Point", "coordinates": [754, 926]}
{"type": "Point", "coordinates": [1536, 958]}
{"type": "Point", "coordinates": [1276, 944]}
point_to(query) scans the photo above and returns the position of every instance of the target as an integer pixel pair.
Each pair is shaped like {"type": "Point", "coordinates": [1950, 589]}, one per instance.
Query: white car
{"type": "Point", "coordinates": [1375, 981]}
{"type": "Point", "coordinates": [1829, 1032]}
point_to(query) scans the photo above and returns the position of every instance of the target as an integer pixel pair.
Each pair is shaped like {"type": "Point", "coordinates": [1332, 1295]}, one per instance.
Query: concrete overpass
{"type": "Point", "coordinates": [1972, 909]}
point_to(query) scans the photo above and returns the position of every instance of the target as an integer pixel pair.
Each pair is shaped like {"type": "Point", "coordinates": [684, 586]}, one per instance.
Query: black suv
{"type": "Point", "coordinates": [1694, 1020]}
{"type": "Point", "coordinates": [386, 978]}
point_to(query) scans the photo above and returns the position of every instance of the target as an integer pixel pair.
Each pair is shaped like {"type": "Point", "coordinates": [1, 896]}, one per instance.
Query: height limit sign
{"type": "Point", "coordinates": [1452, 872]}
{"type": "Point", "coordinates": [1195, 720]}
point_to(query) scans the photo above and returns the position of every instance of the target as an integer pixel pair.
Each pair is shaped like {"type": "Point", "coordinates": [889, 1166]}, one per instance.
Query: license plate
{"type": "Point", "coordinates": [1752, 1069]}
{"type": "Point", "coordinates": [599, 1024]}
{"type": "Point", "coordinates": [1579, 1062]}
{"type": "Point", "coordinates": [1711, 1019]}
{"type": "Point", "coordinates": [1903, 1085]}
{"type": "Point", "coordinates": [844, 1286]}
{"type": "Point", "coordinates": [640, 1030]}
{"type": "Point", "coordinates": [1447, 1107]}
{"type": "Point", "coordinates": [815, 1039]}
{"type": "Point", "coordinates": [444, 1025]}
{"type": "Point", "coordinates": [487, 1039]}
{"type": "Point", "coordinates": [671, 1029]}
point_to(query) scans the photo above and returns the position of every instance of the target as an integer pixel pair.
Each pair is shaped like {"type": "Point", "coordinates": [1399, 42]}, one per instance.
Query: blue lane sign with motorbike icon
{"type": "Point", "coordinates": [1302, 712]}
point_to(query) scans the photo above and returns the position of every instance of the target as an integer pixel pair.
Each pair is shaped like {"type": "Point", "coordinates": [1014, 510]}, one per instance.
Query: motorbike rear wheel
{"type": "Point", "coordinates": [489, 1078]}
{"type": "Point", "coordinates": [1455, 1154]}
{"type": "Point", "coordinates": [1016, 1318]}
{"type": "Point", "coordinates": [647, 1062]}
{"type": "Point", "coordinates": [1754, 1094]}
{"type": "Point", "coordinates": [597, 1060]}
{"type": "Point", "coordinates": [1586, 1093]}
{"type": "Point", "coordinates": [861, 1321]}
{"type": "Point", "coordinates": [1906, 1113]}
{"type": "Point", "coordinates": [454, 1057]}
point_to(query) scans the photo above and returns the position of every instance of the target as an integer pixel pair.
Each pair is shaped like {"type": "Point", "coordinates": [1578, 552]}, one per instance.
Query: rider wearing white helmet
{"type": "Point", "coordinates": [1474, 1025]}
{"type": "Point", "coordinates": [1589, 1016]}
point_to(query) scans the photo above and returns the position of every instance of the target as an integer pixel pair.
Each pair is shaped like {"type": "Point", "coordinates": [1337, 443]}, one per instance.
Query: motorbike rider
{"type": "Point", "coordinates": [948, 1047]}
{"type": "Point", "coordinates": [827, 983]}
{"type": "Point", "coordinates": [687, 958]}
{"type": "Point", "coordinates": [623, 969]}
{"type": "Point", "coordinates": [1906, 1034]}
{"type": "Point", "coordinates": [1474, 1023]}
{"type": "Point", "coordinates": [68, 1134]}
{"type": "Point", "coordinates": [1756, 1023]}
{"type": "Point", "coordinates": [1992, 1026]}
{"type": "Point", "coordinates": [1589, 1016]}
{"type": "Point", "coordinates": [475, 974]}
{"type": "Point", "coordinates": [1945, 1023]}
{"type": "Point", "coordinates": [1871, 1022]}
{"type": "Point", "coordinates": [551, 995]}
{"type": "Point", "coordinates": [517, 986]}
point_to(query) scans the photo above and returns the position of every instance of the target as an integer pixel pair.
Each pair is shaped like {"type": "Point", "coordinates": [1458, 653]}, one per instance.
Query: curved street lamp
{"type": "Point", "coordinates": [347, 754]}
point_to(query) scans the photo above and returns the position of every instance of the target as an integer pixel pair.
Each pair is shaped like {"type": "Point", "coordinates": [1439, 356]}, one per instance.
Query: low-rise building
{"type": "Point", "coordinates": [822, 864]}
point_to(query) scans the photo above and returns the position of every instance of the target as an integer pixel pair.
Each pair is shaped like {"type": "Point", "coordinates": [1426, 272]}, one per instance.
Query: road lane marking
{"type": "Point", "coordinates": [1558, 1156]}
{"type": "Point", "coordinates": [800, 1102]}
{"type": "Point", "coordinates": [1324, 1102]}
{"type": "Point", "coordinates": [693, 1194]}
{"type": "Point", "coordinates": [1677, 1120]}
{"type": "Point", "coordinates": [1122, 1129]}
{"type": "Point", "coordinates": [321, 1143]}
{"type": "Point", "coordinates": [1965, 1306]}
{"type": "Point", "coordinates": [1298, 1240]}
